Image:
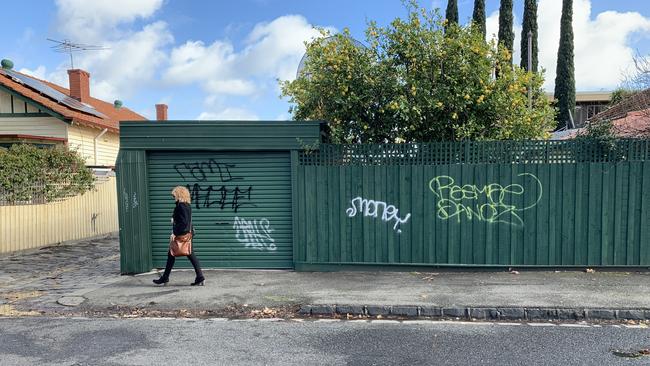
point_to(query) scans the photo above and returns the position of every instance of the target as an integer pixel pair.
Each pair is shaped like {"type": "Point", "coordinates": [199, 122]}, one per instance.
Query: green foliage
{"type": "Point", "coordinates": [417, 81]}
{"type": "Point", "coordinates": [452, 12]}
{"type": "Point", "coordinates": [28, 173]}
{"type": "Point", "coordinates": [619, 94]}
{"type": "Point", "coordinates": [565, 86]}
{"type": "Point", "coordinates": [529, 25]}
{"type": "Point", "coordinates": [506, 34]}
{"type": "Point", "coordinates": [478, 17]}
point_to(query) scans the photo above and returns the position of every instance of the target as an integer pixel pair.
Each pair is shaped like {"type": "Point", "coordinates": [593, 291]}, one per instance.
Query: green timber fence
{"type": "Point", "coordinates": [484, 204]}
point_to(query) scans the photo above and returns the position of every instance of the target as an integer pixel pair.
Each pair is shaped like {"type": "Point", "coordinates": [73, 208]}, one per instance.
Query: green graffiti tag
{"type": "Point", "coordinates": [492, 203]}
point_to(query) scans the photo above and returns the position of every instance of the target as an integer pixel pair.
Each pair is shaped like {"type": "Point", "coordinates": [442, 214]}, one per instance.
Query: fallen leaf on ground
{"type": "Point", "coordinates": [514, 272]}
{"type": "Point", "coordinates": [590, 270]}
{"type": "Point", "coordinates": [379, 316]}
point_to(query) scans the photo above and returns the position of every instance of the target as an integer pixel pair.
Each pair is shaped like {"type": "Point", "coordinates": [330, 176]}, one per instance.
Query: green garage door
{"type": "Point", "coordinates": [241, 206]}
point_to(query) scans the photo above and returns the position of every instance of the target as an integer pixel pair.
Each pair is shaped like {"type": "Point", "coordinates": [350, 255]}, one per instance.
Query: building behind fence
{"type": "Point", "coordinates": [33, 225]}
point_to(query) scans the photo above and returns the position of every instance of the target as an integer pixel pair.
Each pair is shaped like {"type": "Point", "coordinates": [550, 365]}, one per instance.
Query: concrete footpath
{"type": "Point", "coordinates": [87, 281]}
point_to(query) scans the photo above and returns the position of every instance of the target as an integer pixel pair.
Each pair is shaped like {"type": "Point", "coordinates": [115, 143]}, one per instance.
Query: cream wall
{"type": "Point", "coordinates": [31, 226]}
{"type": "Point", "coordinates": [81, 138]}
{"type": "Point", "coordinates": [38, 126]}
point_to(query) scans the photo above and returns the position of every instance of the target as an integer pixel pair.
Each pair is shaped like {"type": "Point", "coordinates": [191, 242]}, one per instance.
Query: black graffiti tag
{"type": "Point", "coordinates": [205, 195]}
{"type": "Point", "coordinates": [200, 170]}
{"type": "Point", "coordinates": [222, 197]}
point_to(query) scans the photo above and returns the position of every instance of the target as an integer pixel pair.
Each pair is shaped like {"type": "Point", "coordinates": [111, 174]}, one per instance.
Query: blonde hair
{"type": "Point", "coordinates": [181, 194]}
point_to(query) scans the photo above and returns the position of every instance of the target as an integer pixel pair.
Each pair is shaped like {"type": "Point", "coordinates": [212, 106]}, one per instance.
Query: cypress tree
{"type": "Point", "coordinates": [506, 35]}
{"type": "Point", "coordinates": [479, 15]}
{"type": "Point", "coordinates": [530, 25]}
{"type": "Point", "coordinates": [565, 86]}
{"type": "Point", "coordinates": [452, 11]}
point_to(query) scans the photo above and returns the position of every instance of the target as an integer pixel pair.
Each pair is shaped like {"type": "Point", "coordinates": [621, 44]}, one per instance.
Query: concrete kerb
{"type": "Point", "coordinates": [480, 313]}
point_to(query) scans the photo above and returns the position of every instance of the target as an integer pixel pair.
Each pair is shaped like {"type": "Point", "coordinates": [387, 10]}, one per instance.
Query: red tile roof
{"type": "Point", "coordinates": [632, 125]}
{"type": "Point", "coordinates": [113, 115]}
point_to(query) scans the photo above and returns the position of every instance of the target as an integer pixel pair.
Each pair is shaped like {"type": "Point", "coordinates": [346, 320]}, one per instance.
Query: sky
{"type": "Point", "coordinates": [221, 60]}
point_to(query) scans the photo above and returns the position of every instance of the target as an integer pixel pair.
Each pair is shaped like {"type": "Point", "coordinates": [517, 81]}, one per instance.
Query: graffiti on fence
{"type": "Point", "coordinates": [220, 196]}
{"type": "Point", "coordinates": [200, 174]}
{"type": "Point", "coordinates": [131, 201]}
{"type": "Point", "coordinates": [255, 233]}
{"type": "Point", "coordinates": [492, 203]}
{"type": "Point", "coordinates": [372, 208]}
{"type": "Point", "coordinates": [201, 170]}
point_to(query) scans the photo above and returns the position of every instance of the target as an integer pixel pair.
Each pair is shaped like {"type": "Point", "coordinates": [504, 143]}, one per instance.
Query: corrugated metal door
{"type": "Point", "coordinates": [241, 206]}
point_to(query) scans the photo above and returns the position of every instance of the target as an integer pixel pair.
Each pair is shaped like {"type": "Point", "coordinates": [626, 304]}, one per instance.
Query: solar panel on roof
{"type": "Point", "coordinates": [52, 93]}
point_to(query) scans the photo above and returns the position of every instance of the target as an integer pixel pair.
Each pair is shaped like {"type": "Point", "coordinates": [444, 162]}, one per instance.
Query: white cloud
{"type": "Point", "coordinates": [40, 72]}
{"type": "Point", "coordinates": [602, 44]}
{"type": "Point", "coordinates": [272, 50]}
{"type": "Point", "coordinates": [132, 57]}
{"type": "Point", "coordinates": [129, 63]}
{"type": "Point", "coordinates": [90, 21]}
{"type": "Point", "coordinates": [229, 114]}
{"type": "Point", "coordinates": [232, 87]}
{"type": "Point", "coordinates": [602, 48]}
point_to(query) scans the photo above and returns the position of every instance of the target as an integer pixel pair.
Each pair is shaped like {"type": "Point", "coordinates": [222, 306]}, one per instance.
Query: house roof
{"type": "Point", "coordinates": [635, 102]}
{"type": "Point", "coordinates": [633, 125]}
{"type": "Point", "coordinates": [588, 96]}
{"type": "Point", "coordinates": [113, 116]}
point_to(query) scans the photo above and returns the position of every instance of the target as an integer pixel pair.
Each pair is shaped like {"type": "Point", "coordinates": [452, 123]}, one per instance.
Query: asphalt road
{"type": "Point", "coordinates": [81, 341]}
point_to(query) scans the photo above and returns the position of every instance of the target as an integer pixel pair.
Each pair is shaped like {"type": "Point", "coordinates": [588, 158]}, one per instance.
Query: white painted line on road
{"type": "Point", "coordinates": [271, 319]}
{"type": "Point", "coordinates": [615, 326]}
{"type": "Point", "coordinates": [516, 324]}
{"type": "Point", "coordinates": [460, 323]}
{"type": "Point", "coordinates": [427, 322]}
{"type": "Point", "coordinates": [637, 326]}
{"type": "Point", "coordinates": [298, 320]}
{"type": "Point", "coordinates": [328, 320]}
{"type": "Point", "coordinates": [575, 325]}
{"type": "Point", "coordinates": [542, 324]}
{"type": "Point", "coordinates": [243, 320]}
{"type": "Point", "coordinates": [219, 319]}
{"type": "Point", "coordinates": [381, 321]}
{"type": "Point", "coordinates": [358, 321]}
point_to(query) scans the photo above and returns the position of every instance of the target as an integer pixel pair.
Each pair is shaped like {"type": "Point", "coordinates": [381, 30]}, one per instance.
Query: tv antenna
{"type": "Point", "coordinates": [67, 46]}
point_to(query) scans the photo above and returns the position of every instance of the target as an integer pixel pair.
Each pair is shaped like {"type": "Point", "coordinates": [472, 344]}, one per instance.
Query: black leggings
{"type": "Point", "coordinates": [192, 257]}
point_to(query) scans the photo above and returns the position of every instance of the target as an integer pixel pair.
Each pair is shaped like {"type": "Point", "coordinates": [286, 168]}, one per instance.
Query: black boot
{"type": "Point", "coordinates": [199, 281]}
{"type": "Point", "coordinates": [168, 270]}
{"type": "Point", "coordinates": [161, 281]}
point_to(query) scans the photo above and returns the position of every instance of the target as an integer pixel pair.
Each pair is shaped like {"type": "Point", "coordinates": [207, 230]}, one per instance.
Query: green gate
{"type": "Point", "coordinates": [241, 206]}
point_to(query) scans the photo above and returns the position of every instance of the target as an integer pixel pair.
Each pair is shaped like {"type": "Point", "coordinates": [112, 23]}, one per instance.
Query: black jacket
{"type": "Point", "coordinates": [182, 218]}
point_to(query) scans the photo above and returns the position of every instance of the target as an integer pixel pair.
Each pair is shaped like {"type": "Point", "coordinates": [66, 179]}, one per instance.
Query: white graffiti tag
{"type": "Point", "coordinates": [371, 208]}
{"type": "Point", "coordinates": [254, 233]}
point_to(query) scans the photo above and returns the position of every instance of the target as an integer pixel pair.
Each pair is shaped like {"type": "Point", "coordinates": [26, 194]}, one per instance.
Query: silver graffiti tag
{"type": "Point", "coordinates": [254, 233]}
{"type": "Point", "coordinates": [372, 208]}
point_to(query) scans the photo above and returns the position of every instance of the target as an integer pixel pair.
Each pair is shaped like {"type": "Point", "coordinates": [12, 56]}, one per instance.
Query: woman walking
{"type": "Point", "coordinates": [182, 223]}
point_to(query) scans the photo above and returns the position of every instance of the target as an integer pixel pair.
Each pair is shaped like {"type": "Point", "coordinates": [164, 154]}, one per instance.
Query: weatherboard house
{"type": "Point", "coordinates": [42, 113]}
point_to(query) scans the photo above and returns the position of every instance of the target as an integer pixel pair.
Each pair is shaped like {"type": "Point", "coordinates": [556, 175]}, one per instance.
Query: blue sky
{"type": "Point", "coordinates": [221, 59]}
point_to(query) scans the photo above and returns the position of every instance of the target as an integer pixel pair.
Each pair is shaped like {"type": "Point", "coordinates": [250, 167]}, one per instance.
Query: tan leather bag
{"type": "Point", "coordinates": [180, 246]}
